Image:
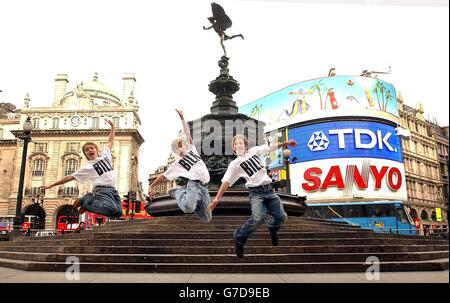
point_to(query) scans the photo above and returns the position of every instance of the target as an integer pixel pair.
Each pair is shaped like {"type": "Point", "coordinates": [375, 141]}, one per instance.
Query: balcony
{"type": "Point", "coordinates": [68, 192]}
{"type": "Point", "coordinates": [33, 191]}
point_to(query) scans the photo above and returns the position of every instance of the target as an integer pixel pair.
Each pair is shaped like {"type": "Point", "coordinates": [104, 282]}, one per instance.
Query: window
{"type": "Point", "coordinates": [1, 133]}
{"type": "Point", "coordinates": [55, 123]}
{"type": "Point", "coordinates": [71, 167]}
{"type": "Point", "coordinates": [38, 168]}
{"type": "Point", "coordinates": [355, 211]}
{"type": "Point", "coordinates": [116, 121]}
{"type": "Point", "coordinates": [40, 147]}
{"type": "Point", "coordinates": [73, 147]}
{"type": "Point", "coordinates": [36, 123]}
{"type": "Point", "coordinates": [95, 122]}
{"type": "Point", "coordinates": [380, 210]}
{"type": "Point", "coordinates": [402, 215]}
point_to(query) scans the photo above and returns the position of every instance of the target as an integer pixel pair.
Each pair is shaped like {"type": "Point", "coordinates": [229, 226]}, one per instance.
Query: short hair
{"type": "Point", "coordinates": [175, 142]}
{"type": "Point", "coordinates": [242, 137]}
{"type": "Point", "coordinates": [89, 143]}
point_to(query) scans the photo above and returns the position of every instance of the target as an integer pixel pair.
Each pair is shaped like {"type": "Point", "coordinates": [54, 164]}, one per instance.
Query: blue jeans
{"type": "Point", "coordinates": [104, 201]}
{"type": "Point", "coordinates": [194, 197]}
{"type": "Point", "coordinates": [262, 200]}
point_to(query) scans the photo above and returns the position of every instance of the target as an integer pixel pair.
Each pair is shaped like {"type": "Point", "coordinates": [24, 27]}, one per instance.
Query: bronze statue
{"type": "Point", "coordinates": [220, 22]}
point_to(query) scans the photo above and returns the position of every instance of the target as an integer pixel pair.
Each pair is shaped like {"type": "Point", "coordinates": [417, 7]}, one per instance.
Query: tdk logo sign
{"type": "Point", "coordinates": [318, 141]}
{"type": "Point", "coordinates": [363, 139]}
{"type": "Point", "coordinates": [345, 139]}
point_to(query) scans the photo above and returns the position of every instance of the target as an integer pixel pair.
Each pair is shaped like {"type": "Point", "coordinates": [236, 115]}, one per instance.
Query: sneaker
{"type": "Point", "coordinates": [238, 248]}
{"type": "Point", "coordinates": [274, 238]}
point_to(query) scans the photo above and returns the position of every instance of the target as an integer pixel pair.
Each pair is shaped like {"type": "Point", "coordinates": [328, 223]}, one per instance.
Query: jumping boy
{"type": "Point", "coordinates": [104, 199]}
{"type": "Point", "coordinates": [193, 196]}
{"type": "Point", "coordinates": [262, 197]}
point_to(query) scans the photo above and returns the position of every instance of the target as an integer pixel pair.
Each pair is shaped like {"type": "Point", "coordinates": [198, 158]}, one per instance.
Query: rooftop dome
{"type": "Point", "coordinates": [99, 90]}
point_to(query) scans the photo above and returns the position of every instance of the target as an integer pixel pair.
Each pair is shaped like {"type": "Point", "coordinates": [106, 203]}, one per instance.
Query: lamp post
{"type": "Point", "coordinates": [286, 156]}
{"type": "Point", "coordinates": [27, 127]}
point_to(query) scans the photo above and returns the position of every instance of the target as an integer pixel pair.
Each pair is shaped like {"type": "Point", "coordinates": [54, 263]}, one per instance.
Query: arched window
{"type": "Point", "coordinates": [55, 123]}
{"type": "Point", "coordinates": [71, 167]}
{"type": "Point", "coordinates": [95, 122]}
{"type": "Point", "coordinates": [38, 168]}
{"type": "Point", "coordinates": [35, 123]}
{"type": "Point", "coordinates": [116, 121]}
{"type": "Point", "coordinates": [424, 215]}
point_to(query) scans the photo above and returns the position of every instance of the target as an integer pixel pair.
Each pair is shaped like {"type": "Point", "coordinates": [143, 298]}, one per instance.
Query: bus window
{"type": "Point", "coordinates": [334, 211]}
{"type": "Point", "coordinates": [355, 211]}
{"type": "Point", "coordinates": [380, 210]}
{"type": "Point", "coordinates": [401, 215]}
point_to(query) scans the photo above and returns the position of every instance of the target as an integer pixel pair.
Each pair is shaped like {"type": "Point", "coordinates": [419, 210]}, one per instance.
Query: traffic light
{"type": "Point", "coordinates": [137, 206]}
{"type": "Point", "coordinates": [127, 201]}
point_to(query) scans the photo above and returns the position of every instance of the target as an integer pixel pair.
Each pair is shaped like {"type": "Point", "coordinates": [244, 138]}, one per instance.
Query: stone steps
{"type": "Point", "coordinates": [432, 265]}
{"type": "Point", "coordinates": [372, 249]}
{"type": "Point", "coordinates": [186, 244]}
{"type": "Point", "coordinates": [226, 258]}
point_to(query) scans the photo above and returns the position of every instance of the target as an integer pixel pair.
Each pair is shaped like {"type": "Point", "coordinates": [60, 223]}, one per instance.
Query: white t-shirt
{"type": "Point", "coordinates": [250, 167]}
{"type": "Point", "coordinates": [99, 171]}
{"type": "Point", "coordinates": [190, 166]}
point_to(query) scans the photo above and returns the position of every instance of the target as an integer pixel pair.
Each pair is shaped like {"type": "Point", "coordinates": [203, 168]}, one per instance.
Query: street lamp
{"type": "Point", "coordinates": [286, 156]}
{"type": "Point", "coordinates": [27, 127]}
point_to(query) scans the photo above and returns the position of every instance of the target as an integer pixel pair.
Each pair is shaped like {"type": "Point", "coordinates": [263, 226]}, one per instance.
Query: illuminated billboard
{"type": "Point", "coordinates": [347, 161]}
{"type": "Point", "coordinates": [339, 96]}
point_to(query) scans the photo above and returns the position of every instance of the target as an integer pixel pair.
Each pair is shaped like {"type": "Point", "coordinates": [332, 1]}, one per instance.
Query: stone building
{"type": "Point", "coordinates": [75, 116]}
{"type": "Point", "coordinates": [164, 187]}
{"type": "Point", "coordinates": [423, 177]}
{"type": "Point", "coordinates": [9, 120]}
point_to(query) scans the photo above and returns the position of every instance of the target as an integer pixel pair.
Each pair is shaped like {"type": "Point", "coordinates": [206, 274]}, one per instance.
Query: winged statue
{"type": "Point", "coordinates": [220, 22]}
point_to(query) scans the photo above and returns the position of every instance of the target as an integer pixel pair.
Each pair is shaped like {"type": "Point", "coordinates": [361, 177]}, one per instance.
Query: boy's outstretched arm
{"type": "Point", "coordinates": [62, 181]}
{"type": "Point", "coordinates": [112, 134]}
{"type": "Point", "coordinates": [186, 130]}
{"type": "Point", "coordinates": [223, 188]}
{"type": "Point", "coordinates": [283, 144]}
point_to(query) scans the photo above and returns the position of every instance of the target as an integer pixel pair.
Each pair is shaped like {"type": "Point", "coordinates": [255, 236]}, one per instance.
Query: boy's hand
{"type": "Point", "coordinates": [292, 143]}
{"type": "Point", "coordinates": [180, 113]}
{"type": "Point", "coordinates": [213, 204]}
{"type": "Point", "coordinates": [109, 122]}
{"type": "Point", "coordinates": [44, 187]}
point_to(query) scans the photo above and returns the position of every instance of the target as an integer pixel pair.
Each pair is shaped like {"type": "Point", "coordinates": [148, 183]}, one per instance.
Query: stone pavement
{"type": "Point", "coordinates": [8, 275]}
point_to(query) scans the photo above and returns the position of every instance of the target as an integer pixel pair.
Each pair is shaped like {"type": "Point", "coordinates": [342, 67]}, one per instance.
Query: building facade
{"type": "Point", "coordinates": [9, 121]}
{"type": "Point", "coordinates": [422, 167]}
{"type": "Point", "coordinates": [76, 116]}
{"type": "Point", "coordinates": [164, 187]}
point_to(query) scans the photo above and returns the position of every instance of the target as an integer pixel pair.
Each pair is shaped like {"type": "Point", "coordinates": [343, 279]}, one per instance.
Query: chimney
{"type": "Point", "coordinates": [60, 88]}
{"type": "Point", "coordinates": [128, 86]}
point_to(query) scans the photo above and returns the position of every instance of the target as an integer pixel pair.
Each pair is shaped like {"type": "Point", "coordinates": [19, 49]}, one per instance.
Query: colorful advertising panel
{"type": "Point", "coordinates": [347, 161]}
{"type": "Point", "coordinates": [338, 96]}
{"type": "Point", "coordinates": [351, 179]}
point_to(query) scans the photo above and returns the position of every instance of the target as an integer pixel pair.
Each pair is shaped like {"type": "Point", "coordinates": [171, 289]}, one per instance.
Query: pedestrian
{"type": "Point", "coordinates": [104, 199]}
{"type": "Point", "coordinates": [262, 197]}
{"type": "Point", "coordinates": [191, 173]}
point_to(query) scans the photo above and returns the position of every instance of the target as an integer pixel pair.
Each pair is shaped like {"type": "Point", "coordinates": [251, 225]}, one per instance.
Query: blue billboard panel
{"type": "Point", "coordinates": [345, 139]}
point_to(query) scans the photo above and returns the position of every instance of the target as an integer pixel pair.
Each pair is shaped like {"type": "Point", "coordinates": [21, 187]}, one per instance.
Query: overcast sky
{"type": "Point", "coordinates": [174, 59]}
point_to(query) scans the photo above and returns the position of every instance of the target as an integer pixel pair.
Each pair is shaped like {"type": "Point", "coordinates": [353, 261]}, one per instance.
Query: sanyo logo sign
{"type": "Point", "coordinates": [362, 139]}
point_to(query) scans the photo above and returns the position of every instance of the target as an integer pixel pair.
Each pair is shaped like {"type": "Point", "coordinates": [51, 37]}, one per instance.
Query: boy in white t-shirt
{"type": "Point", "coordinates": [262, 197]}
{"type": "Point", "coordinates": [104, 199]}
{"type": "Point", "coordinates": [193, 197]}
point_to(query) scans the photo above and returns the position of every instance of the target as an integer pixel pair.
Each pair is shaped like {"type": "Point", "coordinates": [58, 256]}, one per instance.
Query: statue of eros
{"type": "Point", "coordinates": [220, 22]}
